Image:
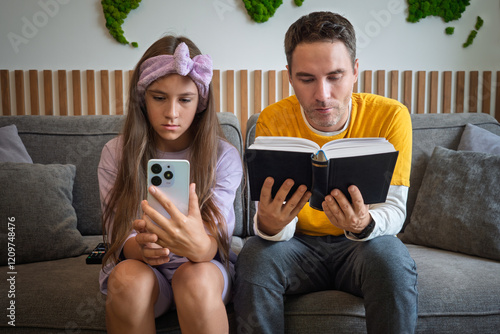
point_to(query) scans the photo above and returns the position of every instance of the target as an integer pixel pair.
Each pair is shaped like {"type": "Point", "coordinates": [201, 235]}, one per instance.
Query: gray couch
{"type": "Point", "coordinates": [459, 293]}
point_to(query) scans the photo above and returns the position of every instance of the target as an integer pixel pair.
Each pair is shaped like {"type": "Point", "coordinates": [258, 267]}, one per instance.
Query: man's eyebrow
{"type": "Point", "coordinates": [305, 74]}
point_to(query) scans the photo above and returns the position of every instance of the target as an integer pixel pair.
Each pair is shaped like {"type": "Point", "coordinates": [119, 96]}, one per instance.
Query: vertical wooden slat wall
{"type": "Point", "coordinates": [407, 101]}
{"type": "Point", "coordinates": [34, 96]}
{"type": "Point", "coordinates": [394, 85]}
{"type": "Point", "coordinates": [433, 94]}
{"type": "Point", "coordinates": [381, 82]}
{"type": "Point", "coordinates": [473, 90]}
{"type": "Point", "coordinates": [257, 88]}
{"type": "Point", "coordinates": [460, 92]}
{"type": "Point", "coordinates": [5, 89]}
{"type": "Point", "coordinates": [47, 92]}
{"type": "Point", "coordinates": [243, 98]}
{"type": "Point", "coordinates": [77, 92]}
{"type": "Point", "coordinates": [285, 87]}
{"type": "Point", "coordinates": [216, 88]}
{"type": "Point", "coordinates": [230, 91]}
{"type": "Point", "coordinates": [19, 85]}
{"type": "Point", "coordinates": [119, 92]}
{"type": "Point", "coordinates": [447, 92]}
{"type": "Point", "coordinates": [63, 92]}
{"type": "Point", "coordinates": [367, 79]}
{"type": "Point", "coordinates": [271, 90]}
{"type": "Point", "coordinates": [92, 92]}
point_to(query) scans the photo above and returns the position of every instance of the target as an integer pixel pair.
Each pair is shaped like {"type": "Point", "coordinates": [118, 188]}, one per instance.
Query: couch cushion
{"type": "Point", "coordinates": [11, 146]}
{"type": "Point", "coordinates": [457, 207]}
{"type": "Point", "coordinates": [456, 295]}
{"type": "Point", "coordinates": [76, 140]}
{"type": "Point", "coordinates": [478, 139]}
{"type": "Point", "coordinates": [37, 202]}
{"type": "Point", "coordinates": [431, 130]}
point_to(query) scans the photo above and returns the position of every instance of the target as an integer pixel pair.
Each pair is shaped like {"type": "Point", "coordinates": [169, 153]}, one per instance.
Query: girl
{"type": "Point", "coordinates": [170, 115]}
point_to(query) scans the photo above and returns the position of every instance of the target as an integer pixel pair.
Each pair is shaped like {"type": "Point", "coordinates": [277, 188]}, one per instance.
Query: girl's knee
{"type": "Point", "coordinates": [198, 280]}
{"type": "Point", "coordinates": [131, 278]}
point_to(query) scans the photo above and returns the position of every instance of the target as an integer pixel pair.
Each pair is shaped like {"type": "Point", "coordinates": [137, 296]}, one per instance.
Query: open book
{"type": "Point", "coordinates": [367, 163]}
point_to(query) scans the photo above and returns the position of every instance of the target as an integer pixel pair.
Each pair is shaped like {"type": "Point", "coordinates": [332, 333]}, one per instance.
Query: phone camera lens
{"type": "Point", "coordinates": [156, 168]}
{"type": "Point", "coordinates": [156, 181]}
{"type": "Point", "coordinates": [169, 175]}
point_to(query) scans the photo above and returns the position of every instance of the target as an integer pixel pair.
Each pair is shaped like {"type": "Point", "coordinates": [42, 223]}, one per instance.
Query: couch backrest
{"type": "Point", "coordinates": [429, 131]}
{"type": "Point", "coordinates": [78, 140]}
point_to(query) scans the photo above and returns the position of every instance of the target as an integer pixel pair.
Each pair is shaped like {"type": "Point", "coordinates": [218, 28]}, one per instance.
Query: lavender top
{"type": "Point", "coordinates": [229, 172]}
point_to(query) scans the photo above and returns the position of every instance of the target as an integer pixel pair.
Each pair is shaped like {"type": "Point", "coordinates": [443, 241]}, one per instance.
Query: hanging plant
{"type": "Point", "coordinates": [115, 13]}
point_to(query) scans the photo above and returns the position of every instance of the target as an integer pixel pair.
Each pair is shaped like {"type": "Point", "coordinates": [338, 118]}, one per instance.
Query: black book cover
{"type": "Point", "coordinates": [372, 173]}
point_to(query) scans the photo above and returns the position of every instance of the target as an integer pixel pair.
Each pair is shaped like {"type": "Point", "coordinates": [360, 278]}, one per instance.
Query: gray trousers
{"type": "Point", "coordinates": [380, 271]}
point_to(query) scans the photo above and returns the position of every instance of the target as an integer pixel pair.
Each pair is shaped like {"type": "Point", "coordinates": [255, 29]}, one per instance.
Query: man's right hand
{"type": "Point", "coordinates": [274, 214]}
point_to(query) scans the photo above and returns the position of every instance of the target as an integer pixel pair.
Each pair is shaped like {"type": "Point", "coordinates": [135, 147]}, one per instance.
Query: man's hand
{"type": "Point", "coordinates": [353, 218]}
{"type": "Point", "coordinates": [273, 214]}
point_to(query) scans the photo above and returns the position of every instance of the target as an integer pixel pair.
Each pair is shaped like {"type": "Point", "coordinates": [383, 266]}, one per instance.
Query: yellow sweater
{"type": "Point", "coordinates": [371, 116]}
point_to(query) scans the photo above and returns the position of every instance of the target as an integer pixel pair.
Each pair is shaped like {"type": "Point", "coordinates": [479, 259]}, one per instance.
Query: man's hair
{"type": "Point", "coordinates": [320, 27]}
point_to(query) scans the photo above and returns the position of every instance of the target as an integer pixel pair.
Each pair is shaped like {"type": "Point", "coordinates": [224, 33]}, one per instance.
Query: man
{"type": "Point", "coordinates": [352, 246]}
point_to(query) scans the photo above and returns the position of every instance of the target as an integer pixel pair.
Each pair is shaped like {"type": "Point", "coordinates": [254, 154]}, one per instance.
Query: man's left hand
{"type": "Point", "coordinates": [341, 213]}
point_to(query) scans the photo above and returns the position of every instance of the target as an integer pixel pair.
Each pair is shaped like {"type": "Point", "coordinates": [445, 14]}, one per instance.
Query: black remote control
{"type": "Point", "coordinates": [97, 254]}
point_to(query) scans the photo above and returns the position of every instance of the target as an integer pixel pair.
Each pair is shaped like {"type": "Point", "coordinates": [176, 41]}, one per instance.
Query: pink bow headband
{"type": "Point", "coordinates": [199, 69]}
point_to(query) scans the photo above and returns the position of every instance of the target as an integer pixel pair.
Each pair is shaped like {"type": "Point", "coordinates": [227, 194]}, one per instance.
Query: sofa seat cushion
{"type": "Point", "coordinates": [57, 296]}
{"type": "Point", "coordinates": [457, 294]}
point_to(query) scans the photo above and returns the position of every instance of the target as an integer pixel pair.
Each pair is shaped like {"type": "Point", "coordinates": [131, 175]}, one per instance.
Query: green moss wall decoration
{"type": "Point", "coordinates": [448, 10]}
{"type": "Point", "coordinates": [261, 10]}
{"type": "Point", "coordinates": [115, 13]}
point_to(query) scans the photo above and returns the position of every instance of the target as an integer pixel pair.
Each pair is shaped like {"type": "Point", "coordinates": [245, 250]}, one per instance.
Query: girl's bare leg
{"type": "Point", "coordinates": [198, 296]}
{"type": "Point", "coordinates": [132, 292]}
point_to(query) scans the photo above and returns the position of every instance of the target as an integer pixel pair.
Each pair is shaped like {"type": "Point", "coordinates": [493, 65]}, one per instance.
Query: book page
{"type": "Point", "coordinates": [292, 144]}
{"type": "Point", "coordinates": [350, 147]}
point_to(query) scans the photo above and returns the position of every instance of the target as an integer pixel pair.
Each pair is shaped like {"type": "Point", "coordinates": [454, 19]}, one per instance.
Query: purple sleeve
{"type": "Point", "coordinates": [106, 174]}
{"type": "Point", "coordinates": [229, 174]}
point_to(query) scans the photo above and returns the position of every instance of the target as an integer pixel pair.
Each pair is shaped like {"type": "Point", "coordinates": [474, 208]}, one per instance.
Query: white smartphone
{"type": "Point", "coordinates": [172, 178]}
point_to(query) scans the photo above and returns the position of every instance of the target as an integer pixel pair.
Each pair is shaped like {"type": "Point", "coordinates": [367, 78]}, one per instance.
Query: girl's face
{"type": "Point", "coordinates": [171, 103]}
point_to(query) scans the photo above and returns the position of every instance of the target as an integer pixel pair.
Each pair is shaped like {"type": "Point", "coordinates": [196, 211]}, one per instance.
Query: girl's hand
{"type": "Point", "coordinates": [184, 236]}
{"type": "Point", "coordinates": [151, 253]}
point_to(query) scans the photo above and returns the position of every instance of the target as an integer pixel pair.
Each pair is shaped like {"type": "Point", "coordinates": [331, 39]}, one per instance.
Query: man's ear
{"type": "Point", "coordinates": [356, 70]}
{"type": "Point", "coordinates": [289, 75]}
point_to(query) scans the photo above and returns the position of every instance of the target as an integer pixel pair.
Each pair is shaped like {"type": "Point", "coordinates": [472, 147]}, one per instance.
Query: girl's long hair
{"type": "Point", "coordinates": [123, 202]}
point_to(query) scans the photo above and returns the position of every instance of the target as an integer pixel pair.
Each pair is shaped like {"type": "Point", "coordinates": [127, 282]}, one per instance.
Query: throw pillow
{"type": "Point", "coordinates": [457, 206]}
{"type": "Point", "coordinates": [38, 219]}
{"type": "Point", "coordinates": [478, 139]}
{"type": "Point", "coordinates": [11, 146]}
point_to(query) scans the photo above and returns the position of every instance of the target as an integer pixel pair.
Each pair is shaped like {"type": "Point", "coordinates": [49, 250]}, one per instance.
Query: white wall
{"type": "Point", "coordinates": [70, 34]}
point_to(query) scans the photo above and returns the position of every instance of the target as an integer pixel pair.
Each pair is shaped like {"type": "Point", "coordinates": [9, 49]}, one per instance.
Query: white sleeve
{"type": "Point", "coordinates": [389, 217]}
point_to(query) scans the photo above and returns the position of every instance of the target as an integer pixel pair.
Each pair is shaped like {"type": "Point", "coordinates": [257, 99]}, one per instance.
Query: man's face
{"type": "Point", "coordinates": [323, 78]}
